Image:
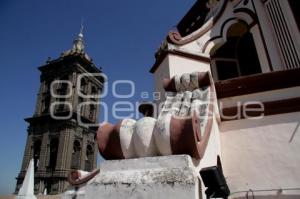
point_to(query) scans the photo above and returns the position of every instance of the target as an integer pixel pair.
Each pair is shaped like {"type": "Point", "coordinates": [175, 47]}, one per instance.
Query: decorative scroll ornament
{"type": "Point", "coordinates": [216, 9]}
{"type": "Point", "coordinates": [78, 177]}
{"type": "Point", "coordinates": [182, 127]}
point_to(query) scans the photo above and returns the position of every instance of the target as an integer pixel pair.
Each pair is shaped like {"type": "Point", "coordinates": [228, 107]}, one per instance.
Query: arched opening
{"type": "Point", "coordinates": [47, 86]}
{"type": "Point", "coordinates": [46, 104]}
{"type": "Point", "coordinates": [83, 86]}
{"type": "Point", "coordinates": [76, 155]}
{"type": "Point", "coordinates": [63, 86]}
{"type": "Point", "coordinates": [237, 56]}
{"type": "Point", "coordinates": [53, 153]}
{"type": "Point", "coordinates": [94, 90]}
{"type": "Point", "coordinates": [92, 112]}
{"type": "Point", "coordinates": [36, 153]}
{"type": "Point", "coordinates": [62, 89]}
{"type": "Point", "coordinates": [89, 158]}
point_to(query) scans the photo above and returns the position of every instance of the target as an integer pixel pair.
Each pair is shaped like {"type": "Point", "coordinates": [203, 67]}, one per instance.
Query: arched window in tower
{"type": "Point", "coordinates": [53, 153]}
{"type": "Point", "coordinates": [83, 86]}
{"type": "Point", "coordinates": [89, 158]}
{"type": "Point", "coordinates": [46, 87]}
{"type": "Point", "coordinates": [94, 90]}
{"type": "Point", "coordinates": [92, 112]}
{"type": "Point", "coordinates": [46, 104]}
{"type": "Point", "coordinates": [76, 155]}
{"type": "Point", "coordinates": [237, 56]}
{"type": "Point", "coordinates": [80, 100]}
{"type": "Point", "coordinates": [62, 90]}
{"type": "Point", "coordinates": [36, 153]}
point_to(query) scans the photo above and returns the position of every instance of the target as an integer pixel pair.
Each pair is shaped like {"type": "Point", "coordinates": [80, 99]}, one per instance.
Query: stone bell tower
{"type": "Point", "coordinates": [61, 132]}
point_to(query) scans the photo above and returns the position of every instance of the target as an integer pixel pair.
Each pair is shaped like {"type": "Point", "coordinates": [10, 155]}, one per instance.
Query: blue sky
{"type": "Point", "coordinates": [120, 36]}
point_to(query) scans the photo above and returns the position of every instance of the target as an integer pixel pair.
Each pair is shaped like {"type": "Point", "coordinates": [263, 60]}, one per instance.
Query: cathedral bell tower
{"type": "Point", "coordinates": [61, 133]}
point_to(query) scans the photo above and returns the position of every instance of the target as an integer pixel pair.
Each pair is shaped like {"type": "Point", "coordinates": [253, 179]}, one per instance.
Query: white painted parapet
{"type": "Point", "coordinates": [165, 177]}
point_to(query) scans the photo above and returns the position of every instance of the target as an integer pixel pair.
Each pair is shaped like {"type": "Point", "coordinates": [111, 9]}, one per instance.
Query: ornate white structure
{"type": "Point", "coordinates": [164, 177]}
{"type": "Point", "coordinates": [250, 50]}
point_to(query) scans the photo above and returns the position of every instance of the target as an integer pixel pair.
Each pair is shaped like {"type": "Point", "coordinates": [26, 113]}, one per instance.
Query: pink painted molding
{"type": "Point", "coordinates": [75, 177]}
{"type": "Point", "coordinates": [174, 37]}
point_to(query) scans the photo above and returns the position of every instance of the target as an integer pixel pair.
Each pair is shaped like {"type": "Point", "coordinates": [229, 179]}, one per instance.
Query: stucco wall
{"type": "Point", "coordinates": [262, 154]}
{"type": "Point", "coordinates": [179, 65]}
{"type": "Point", "coordinates": [162, 72]}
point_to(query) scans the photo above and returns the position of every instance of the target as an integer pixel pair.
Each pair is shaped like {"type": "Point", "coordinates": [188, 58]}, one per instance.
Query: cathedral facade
{"type": "Point", "coordinates": [61, 132]}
